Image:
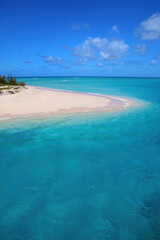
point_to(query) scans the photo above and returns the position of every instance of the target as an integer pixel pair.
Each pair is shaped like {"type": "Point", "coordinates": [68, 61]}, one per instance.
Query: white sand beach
{"type": "Point", "coordinates": [35, 100]}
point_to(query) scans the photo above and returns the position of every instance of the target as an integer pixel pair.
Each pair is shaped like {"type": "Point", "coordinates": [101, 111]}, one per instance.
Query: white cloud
{"type": "Point", "coordinates": [99, 48]}
{"type": "Point", "coordinates": [114, 50]}
{"type": "Point", "coordinates": [153, 62]}
{"type": "Point", "coordinates": [84, 52]}
{"type": "Point", "coordinates": [51, 59]}
{"type": "Point", "coordinates": [79, 26]}
{"type": "Point", "coordinates": [150, 28]}
{"type": "Point", "coordinates": [98, 42]}
{"type": "Point", "coordinates": [115, 29]}
{"type": "Point", "coordinates": [57, 61]}
{"type": "Point", "coordinates": [140, 49]}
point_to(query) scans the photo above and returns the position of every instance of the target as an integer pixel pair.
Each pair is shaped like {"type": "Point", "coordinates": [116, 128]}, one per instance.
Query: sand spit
{"type": "Point", "coordinates": [37, 100]}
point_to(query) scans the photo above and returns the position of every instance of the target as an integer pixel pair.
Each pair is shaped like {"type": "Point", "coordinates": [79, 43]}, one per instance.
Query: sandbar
{"type": "Point", "coordinates": [36, 100]}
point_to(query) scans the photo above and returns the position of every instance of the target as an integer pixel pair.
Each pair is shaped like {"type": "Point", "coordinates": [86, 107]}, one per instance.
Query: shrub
{"type": "Point", "coordinates": [11, 92]}
{"type": "Point", "coordinates": [22, 84]}
{"type": "Point", "coordinates": [3, 80]}
{"type": "Point", "coordinates": [12, 81]}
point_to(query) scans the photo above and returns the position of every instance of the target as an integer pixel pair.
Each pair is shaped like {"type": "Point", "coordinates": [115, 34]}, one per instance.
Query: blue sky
{"type": "Point", "coordinates": [80, 38]}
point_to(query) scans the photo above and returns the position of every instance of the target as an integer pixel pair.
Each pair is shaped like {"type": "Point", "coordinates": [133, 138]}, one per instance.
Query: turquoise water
{"type": "Point", "coordinates": [84, 177]}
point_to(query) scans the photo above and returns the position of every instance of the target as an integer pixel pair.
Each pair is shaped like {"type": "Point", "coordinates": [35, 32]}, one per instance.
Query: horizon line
{"type": "Point", "coordinates": [87, 76]}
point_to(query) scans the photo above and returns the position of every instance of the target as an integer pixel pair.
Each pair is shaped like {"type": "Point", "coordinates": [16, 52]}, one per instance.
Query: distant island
{"type": "Point", "coordinates": [9, 85]}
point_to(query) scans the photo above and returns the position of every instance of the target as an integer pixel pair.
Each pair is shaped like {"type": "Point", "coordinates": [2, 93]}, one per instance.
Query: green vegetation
{"type": "Point", "coordinates": [10, 85]}
{"type": "Point", "coordinates": [22, 84]}
{"type": "Point", "coordinates": [3, 80]}
{"type": "Point", "coordinates": [5, 88]}
{"type": "Point", "coordinates": [10, 81]}
{"type": "Point", "coordinates": [11, 92]}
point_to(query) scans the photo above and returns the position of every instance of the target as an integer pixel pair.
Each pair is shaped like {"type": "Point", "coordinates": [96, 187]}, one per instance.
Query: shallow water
{"type": "Point", "coordinates": [85, 176]}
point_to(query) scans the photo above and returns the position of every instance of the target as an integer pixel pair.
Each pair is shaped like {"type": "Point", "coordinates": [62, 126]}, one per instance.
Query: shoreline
{"type": "Point", "coordinates": [40, 101]}
{"type": "Point", "coordinates": [122, 99]}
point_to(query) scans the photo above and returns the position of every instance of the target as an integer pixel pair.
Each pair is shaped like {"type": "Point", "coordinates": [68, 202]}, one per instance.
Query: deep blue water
{"type": "Point", "coordinates": [84, 177]}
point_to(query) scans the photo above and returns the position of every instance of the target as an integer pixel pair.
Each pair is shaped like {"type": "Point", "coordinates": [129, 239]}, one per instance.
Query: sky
{"type": "Point", "coordinates": [80, 38]}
